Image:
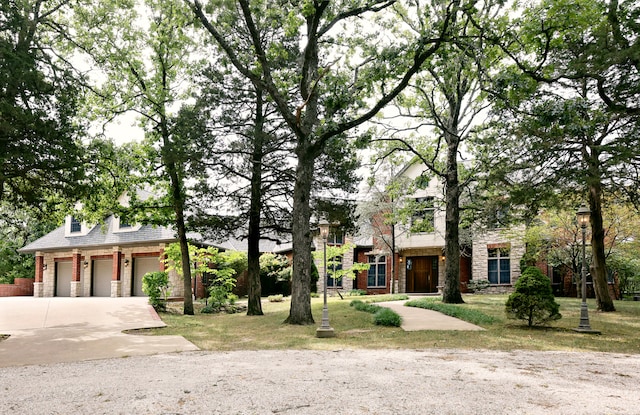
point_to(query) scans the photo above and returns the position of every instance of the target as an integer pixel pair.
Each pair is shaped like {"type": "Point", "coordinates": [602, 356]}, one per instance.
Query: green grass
{"type": "Point", "coordinates": [458, 311]}
{"type": "Point", "coordinates": [354, 329]}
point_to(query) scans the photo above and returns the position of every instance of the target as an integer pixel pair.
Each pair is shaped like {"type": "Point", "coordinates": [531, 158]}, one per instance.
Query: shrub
{"type": "Point", "coordinates": [276, 298]}
{"type": "Point", "coordinates": [533, 299]}
{"type": "Point", "coordinates": [156, 286]}
{"type": "Point", "coordinates": [387, 317]}
{"type": "Point", "coordinates": [381, 316]}
{"type": "Point", "coordinates": [356, 293]}
{"type": "Point", "coordinates": [475, 286]}
{"type": "Point", "coordinates": [366, 307]}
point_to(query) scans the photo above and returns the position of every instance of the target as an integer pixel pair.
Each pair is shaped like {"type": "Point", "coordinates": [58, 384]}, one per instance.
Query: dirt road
{"type": "Point", "coordinates": [330, 382]}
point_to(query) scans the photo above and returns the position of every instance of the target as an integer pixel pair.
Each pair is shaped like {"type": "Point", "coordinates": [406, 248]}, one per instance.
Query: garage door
{"type": "Point", "coordinates": [101, 278]}
{"type": "Point", "coordinates": [140, 267]}
{"type": "Point", "coordinates": [63, 279]}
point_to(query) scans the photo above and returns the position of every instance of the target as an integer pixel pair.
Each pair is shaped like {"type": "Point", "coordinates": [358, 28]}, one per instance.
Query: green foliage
{"type": "Point", "coordinates": [382, 316]}
{"type": "Point", "coordinates": [276, 298]}
{"type": "Point", "coordinates": [364, 306]}
{"type": "Point", "coordinates": [156, 286]}
{"type": "Point", "coordinates": [387, 317]}
{"type": "Point", "coordinates": [220, 299]}
{"type": "Point", "coordinates": [275, 274]}
{"type": "Point", "coordinates": [355, 293]}
{"type": "Point", "coordinates": [463, 312]}
{"type": "Point", "coordinates": [42, 153]}
{"type": "Point", "coordinates": [533, 299]}
{"type": "Point", "coordinates": [335, 254]}
{"type": "Point", "coordinates": [475, 286]}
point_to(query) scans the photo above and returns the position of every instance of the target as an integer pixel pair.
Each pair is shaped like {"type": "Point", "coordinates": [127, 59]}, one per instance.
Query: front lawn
{"type": "Point", "coordinates": [355, 329]}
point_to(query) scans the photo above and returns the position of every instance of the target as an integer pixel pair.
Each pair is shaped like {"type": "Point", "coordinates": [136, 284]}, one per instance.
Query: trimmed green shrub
{"type": "Point", "coordinates": [156, 286]}
{"type": "Point", "coordinates": [387, 317]}
{"type": "Point", "coordinates": [381, 316]}
{"type": "Point", "coordinates": [533, 300]}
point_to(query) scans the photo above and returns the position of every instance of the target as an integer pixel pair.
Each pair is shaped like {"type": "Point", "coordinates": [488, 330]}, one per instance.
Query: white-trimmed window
{"type": "Point", "coordinates": [423, 218]}
{"type": "Point", "coordinates": [120, 225]}
{"type": "Point", "coordinates": [75, 226]}
{"type": "Point", "coordinates": [377, 274]}
{"type": "Point", "coordinates": [499, 266]}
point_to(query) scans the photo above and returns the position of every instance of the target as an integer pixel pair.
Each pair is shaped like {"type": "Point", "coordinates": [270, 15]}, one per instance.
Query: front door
{"type": "Point", "coordinates": [422, 274]}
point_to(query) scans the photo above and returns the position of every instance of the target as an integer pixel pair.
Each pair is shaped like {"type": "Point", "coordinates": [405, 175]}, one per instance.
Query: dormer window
{"type": "Point", "coordinates": [76, 225]}
{"type": "Point", "coordinates": [120, 225]}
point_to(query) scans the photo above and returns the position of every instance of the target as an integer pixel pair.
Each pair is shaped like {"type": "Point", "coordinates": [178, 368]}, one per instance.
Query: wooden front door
{"type": "Point", "coordinates": [422, 274]}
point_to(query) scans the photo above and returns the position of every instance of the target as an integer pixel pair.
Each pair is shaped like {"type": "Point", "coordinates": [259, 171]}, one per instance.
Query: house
{"type": "Point", "coordinates": [493, 254]}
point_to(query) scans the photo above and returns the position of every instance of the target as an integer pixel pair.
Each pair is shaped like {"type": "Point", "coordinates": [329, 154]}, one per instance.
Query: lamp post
{"type": "Point", "coordinates": [583, 220]}
{"type": "Point", "coordinates": [325, 330]}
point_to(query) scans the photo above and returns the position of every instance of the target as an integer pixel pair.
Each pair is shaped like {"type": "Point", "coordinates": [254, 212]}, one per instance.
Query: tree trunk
{"type": "Point", "coordinates": [177, 200]}
{"type": "Point", "coordinates": [254, 307]}
{"type": "Point", "coordinates": [300, 310]}
{"type": "Point", "coordinates": [451, 292]}
{"type": "Point", "coordinates": [598, 265]}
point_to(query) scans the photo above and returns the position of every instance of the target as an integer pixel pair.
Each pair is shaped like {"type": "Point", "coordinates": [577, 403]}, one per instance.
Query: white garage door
{"type": "Point", "coordinates": [101, 278]}
{"type": "Point", "coordinates": [63, 278]}
{"type": "Point", "coordinates": [141, 266]}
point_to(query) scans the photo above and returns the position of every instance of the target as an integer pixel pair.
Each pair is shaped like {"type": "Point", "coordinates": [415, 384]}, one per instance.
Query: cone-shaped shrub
{"type": "Point", "coordinates": [533, 299]}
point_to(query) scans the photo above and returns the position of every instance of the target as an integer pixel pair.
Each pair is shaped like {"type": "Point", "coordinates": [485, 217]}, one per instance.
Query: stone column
{"type": "Point", "coordinates": [116, 283]}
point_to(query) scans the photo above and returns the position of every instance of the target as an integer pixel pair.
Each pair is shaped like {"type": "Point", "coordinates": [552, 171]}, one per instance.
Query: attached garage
{"type": "Point", "coordinates": [63, 279]}
{"type": "Point", "coordinates": [141, 266]}
{"type": "Point", "coordinates": [101, 278]}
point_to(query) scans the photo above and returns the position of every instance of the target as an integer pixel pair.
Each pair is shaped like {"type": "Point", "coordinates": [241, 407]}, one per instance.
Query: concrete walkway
{"type": "Point", "coordinates": [415, 319]}
{"type": "Point", "coordinates": [55, 330]}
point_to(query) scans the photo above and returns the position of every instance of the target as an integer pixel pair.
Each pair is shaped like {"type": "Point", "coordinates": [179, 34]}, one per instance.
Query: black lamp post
{"type": "Point", "coordinates": [583, 220]}
{"type": "Point", "coordinates": [325, 330]}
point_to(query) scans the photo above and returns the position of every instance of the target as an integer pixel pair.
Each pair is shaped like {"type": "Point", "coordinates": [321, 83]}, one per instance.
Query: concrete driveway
{"type": "Point", "coordinates": [54, 330]}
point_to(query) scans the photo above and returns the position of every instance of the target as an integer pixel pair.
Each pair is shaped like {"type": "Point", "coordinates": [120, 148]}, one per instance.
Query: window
{"type": "Point", "coordinates": [377, 274]}
{"type": "Point", "coordinates": [336, 237]}
{"type": "Point", "coordinates": [422, 219]}
{"type": "Point", "coordinates": [76, 226]}
{"type": "Point", "coordinates": [499, 266]}
{"type": "Point", "coordinates": [334, 265]}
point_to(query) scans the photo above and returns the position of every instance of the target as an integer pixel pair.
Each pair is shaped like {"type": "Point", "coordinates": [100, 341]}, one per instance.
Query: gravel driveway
{"type": "Point", "coordinates": [330, 382]}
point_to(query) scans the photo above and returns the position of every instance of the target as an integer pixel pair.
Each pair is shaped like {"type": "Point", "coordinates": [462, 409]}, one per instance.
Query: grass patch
{"type": "Point", "coordinates": [462, 312]}
{"type": "Point", "coordinates": [356, 330]}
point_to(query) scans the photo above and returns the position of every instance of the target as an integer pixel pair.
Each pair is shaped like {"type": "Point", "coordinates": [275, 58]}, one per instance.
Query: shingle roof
{"type": "Point", "coordinates": [105, 236]}
{"type": "Point", "coordinates": [100, 236]}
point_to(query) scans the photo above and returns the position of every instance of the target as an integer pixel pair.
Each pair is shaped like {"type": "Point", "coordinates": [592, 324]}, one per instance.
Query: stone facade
{"type": "Point", "coordinates": [482, 242]}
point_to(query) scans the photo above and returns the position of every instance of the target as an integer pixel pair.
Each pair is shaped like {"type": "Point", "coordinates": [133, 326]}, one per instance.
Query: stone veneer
{"type": "Point", "coordinates": [480, 261]}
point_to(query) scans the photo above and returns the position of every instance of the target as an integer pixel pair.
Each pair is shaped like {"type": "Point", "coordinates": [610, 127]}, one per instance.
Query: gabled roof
{"type": "Point", "coordinates": [266, 245]}
{"type": "Point", "coordinates": [101, 236]}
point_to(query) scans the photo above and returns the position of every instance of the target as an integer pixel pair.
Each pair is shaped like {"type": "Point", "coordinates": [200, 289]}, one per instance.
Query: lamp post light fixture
{"type": "Point", "coordinates": [325, 330]}
{"type": "Point", "coordinates": [584, 326]}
